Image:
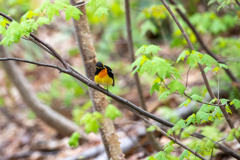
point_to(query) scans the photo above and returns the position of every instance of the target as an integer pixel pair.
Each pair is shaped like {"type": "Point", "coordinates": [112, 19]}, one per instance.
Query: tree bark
{"type": "Point", "coordinates": [99, 100]}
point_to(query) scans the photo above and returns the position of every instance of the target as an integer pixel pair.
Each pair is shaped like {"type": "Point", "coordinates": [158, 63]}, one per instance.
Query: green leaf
{"type": "Point", "coordinates": [236, 103]}
{"type": "Point", "coordinates": [207, 69]}
{"type": "Point", "coordinates": [193, 59]}
{"type": "Point", "coordinates": [74, 12]}
{"type": "Point", "coordinates": [112, 112]}
{"type": "Point", "coordinates": [151, 128]}
{"type": "Point", "coordinates": [223, 66]}
{"type": "Point", "coordinates": [147, 66]}
{"type": "Point", "coordinates": [136, 69]}
{"type": "Point", "coordinates": [74, 139]}
{"type": "Point", "coordinates": [196, 97]}
{"type": "Point", "coordinates": [185, 154]}
{"type": "Point", "coordinates": [183, 55]}
{"type": "Point", "coordinates": [208, 60]}
{"type": "Point", "coordinates": [230, 136]}
{"type": "Point", "coordinates": [177, 127]}
{"type": "Point", "coordinates": [90, 120]}
{"type": "Point", "coordinates": [151, 158]}
{"type": "Point", "coordinates": [154, 87]}
{"type": "Point", "coordinates": [175, 85]}
{"type": "Point", "coordinates": [43, 20]}
{"type": "Point", "coordinates": [191, 119]}
{"type": "Point", "coordinates": [162, 68]}
{"type": "Point", "coordinates": [202, 116]}
{"type": "Point", "coordinates": [185, 103]}
{"type": "Point", "coordinates": [152, 49]}
{"type": "Point", "coordinates": [160, 156]}
{"type": "Point", "coordinates": [51, 11]}
{"type": "Point", "coordinates": [141, 50]}
{"type": "Point", "coordinates": [188, 131]}
{"type": "Point", "coordinates": [164, 95]}
{"type": "Point", "coordinates": [100, 11]}
{"type": "Point", "coordinates": [168, 148]}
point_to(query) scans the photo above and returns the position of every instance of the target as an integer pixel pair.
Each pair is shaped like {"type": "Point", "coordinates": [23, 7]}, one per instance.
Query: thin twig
{"type": "Point", "coordinates": [56, 55]}
{"type": "Point", "coordinates": [200, 40]}
{"type": "Point", "coordinates": [187, 77]}
{"type": "Point", "coordinates": [200, 66]}
{"type": "Point", "coordinates": [122, 101]}
{"type": "Point", "coordinates": [141, 97]}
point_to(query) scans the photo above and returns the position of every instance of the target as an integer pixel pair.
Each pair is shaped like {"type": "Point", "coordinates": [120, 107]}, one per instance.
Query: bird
{"type": "Point", "coordinates": [104, 75]}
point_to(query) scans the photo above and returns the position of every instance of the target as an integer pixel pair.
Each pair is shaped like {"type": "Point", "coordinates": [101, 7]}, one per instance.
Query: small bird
{"type": "Point", "coordinates": [104, 75]}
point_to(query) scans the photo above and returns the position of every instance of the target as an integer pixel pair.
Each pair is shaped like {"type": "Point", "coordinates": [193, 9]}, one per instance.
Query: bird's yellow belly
{"type": "Point", "coordinates": [106, 80]}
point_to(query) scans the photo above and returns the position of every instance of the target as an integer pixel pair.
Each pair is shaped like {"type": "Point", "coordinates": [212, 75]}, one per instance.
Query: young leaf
{"type": "Point", "coordinates": [191, 119]}
{"type": "Point", "coordinates": [196, 97]}
{"type": "Point", "coordinates": [183, 55]}
{"type": "Point", "coordinates": [151, 128]}
{"type": "Point", "coordinates": [185, 103]}
{"type": "Point", "coordinates": [230, 136]}
{"type": "Point", "coordinates": [154, 87]}
{"type": "Point", "coordinates": [185, 154]}
{"type": "Point", "coordinates": [160, 156]}
{"type": "Point", "coordinates": [164, 95]}
{"type": "Point", "coordinates": [208, 60]}
{"type": "Point", "coordinates": [236, 103]}
{"type": "Point", "coordinates": [74, 139]}
{"type": "Point", "coordinates": [202, 116]}
{"type": "Point", "coordinates": [100, 11]}
{"type": "Point", "coordinates": [177, 127]}
{"type": "Point", "coordinates": [74, 12]}
{"type": "Point", "coordinates": [152, 49]}
{"type": "Point", "coordinates": [223, 66]}
{"type": "Point", "coordinates": [168, 148]}
{"type": "Point", "coordinates": [141, 50]}
{"type": "Point", "coordinates": [193, 59]}
{"type": "Point", "coordinates": [43, 20]}
{"type": "Point", "coordinates": [175, 85]}
{"type": "Point", "coordinates": [188, 131]}
{"type": "Point", "coordinates": [112, 112]}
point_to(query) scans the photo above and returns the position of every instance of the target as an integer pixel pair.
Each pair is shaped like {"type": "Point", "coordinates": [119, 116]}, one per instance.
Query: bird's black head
{"type": "Point", "coordinates": [99, 65]}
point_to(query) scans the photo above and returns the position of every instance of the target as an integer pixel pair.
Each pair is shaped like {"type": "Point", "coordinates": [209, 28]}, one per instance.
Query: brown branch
{"type": "Point", "coordinates": [200, 66]}
{"type": "Point", "coordinates": [55, 54]}
{"type": "Point", "coordinates": [237, 2]}
{"type": "Point", "coordinates": [126, 103]}
{"type": "Point", "coordinates": [200, 40]}
{"type": "Point", "coordinates": [99, 100]}
{"type": "Point", "coordinates": [141, 97]}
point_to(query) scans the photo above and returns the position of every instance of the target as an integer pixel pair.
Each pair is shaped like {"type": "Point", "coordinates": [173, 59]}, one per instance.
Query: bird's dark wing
{"type": "Point", "coordinates": [110, 73]}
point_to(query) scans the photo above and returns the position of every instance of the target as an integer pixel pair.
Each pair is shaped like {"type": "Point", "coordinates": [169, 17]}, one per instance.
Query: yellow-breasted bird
{"type": "Point", "coordinates": [104, 75]}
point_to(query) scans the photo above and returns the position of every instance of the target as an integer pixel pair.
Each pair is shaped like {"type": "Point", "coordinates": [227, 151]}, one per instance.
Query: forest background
{"type": "Point", "coordinates": [184, 77]}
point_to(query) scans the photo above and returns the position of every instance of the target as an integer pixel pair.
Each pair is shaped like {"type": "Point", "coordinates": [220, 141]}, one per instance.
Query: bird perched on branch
{"type": "Point", "coordinates": [104, 75]}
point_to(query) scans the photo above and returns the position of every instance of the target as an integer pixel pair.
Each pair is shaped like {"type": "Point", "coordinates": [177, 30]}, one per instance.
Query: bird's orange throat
{"type": "Point", "coordinates": [103, 73]}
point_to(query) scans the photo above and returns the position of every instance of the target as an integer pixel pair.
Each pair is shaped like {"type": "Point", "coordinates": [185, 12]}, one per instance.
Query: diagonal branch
{"type": "Point", "coordinates": [54, 53]}
{"type": "Point", "coordinates": [200, 40]}
{"type": "Point", "coordinates": [200, 67]}
{"type": "Point", "coordinates": [121, 100]}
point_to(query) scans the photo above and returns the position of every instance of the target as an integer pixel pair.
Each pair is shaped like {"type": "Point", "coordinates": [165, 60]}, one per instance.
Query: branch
{"type": "Point", "coordinates": [200, 40]}
{"type": "Point", "coordinates": [200, 66]}
{"type": "Point", "coordinates": [126, 103]}
{"type": "Point", "coordinates": [237, 2]}
{"type": "Point", "coordinates": [141, 97]}
{"type": "Point", "coordinates": [54, 53]}
{"type": "Point", "coordinates": [121, 100]}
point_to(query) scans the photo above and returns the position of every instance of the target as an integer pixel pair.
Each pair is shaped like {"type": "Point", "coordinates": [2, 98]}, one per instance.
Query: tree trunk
{"type": "Point", "coordinates": [99, 100]}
